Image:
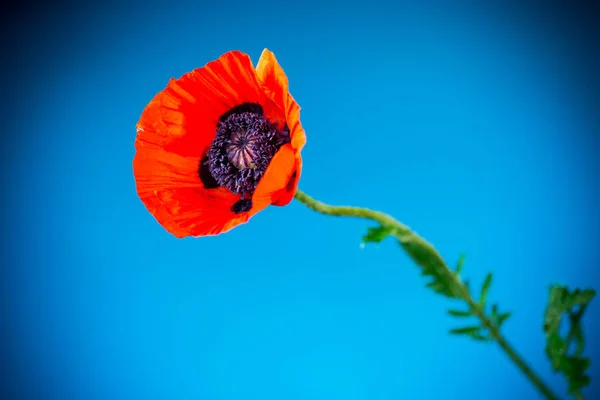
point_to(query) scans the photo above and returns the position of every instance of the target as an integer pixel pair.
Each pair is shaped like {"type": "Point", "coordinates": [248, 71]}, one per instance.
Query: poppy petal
{"type": "Point", "coordinates": [190, 212]}
{"type": "Point", "coordinates": [276, 177]}
{"type": "Point", "coordinates": [190, 106]}
{"type": "Point", "coordinates": [285, 195]}
{"type": "Point", "coordinates": [273, 78]}
{"type": "Point", "coordinates": [177, 198]}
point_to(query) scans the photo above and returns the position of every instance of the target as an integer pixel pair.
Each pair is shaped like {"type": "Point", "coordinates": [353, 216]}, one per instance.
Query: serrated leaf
{"type": "Point", "coordinates": [485, 288]}
{"type": "Point", "coordinates": [377, 234]}
{"type": "Point", "coordinates": [572, 304]}
{"type": "Point", "coordinates": [459, 313]}
{"type": "Point", "coordinates": [432, 265]}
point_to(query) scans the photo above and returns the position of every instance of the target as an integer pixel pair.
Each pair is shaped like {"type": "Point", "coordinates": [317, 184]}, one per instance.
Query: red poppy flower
{"type": "Point", "coordinates": [218, 145]}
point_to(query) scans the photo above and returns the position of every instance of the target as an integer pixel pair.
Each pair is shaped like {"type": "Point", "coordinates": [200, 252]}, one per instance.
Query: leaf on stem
{"type": "Point", "coordinates": [443, 280]}
{"type": "Point", "coordinates": [497, 317]}
{"type": "Point", "coordinates": [465, 330]}
{"type": "Point", "coordinates": [485, 289]}
{"type": "Point", "coordinates": [467, 284]}
{"type": "Point", "coordinates": [459, 313]}
{"type": "Point", "coordinates": [572, 304]}
{"type": "Point", "coordinates": [377, 234]}
{"type": "Point", "coordinates": [459, 264]}
{"type": "Point", "coordinates": [473, 332]}
{"type": "Point", "coordinates": [494, 313]}
{"type": "Point", "coordinates": [502, 318]}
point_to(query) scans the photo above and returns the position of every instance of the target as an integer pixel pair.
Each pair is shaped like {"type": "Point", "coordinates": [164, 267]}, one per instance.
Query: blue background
{"type": "Point", "coordinates": [476, 126]}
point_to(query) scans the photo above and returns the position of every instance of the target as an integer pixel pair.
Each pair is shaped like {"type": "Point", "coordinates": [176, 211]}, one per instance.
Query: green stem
{"type": "Point", "coordinates": [509, 350]}
{"type": "Point", "coordinates": [404, 234]}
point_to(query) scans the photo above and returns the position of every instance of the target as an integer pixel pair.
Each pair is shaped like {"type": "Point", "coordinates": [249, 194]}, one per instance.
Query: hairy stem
{"type": "Point", "coordinates": [403, 233]}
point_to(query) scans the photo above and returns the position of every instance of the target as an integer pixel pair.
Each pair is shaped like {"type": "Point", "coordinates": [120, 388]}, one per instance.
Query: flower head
{"type": "Point", "coordinates": [218, 145]}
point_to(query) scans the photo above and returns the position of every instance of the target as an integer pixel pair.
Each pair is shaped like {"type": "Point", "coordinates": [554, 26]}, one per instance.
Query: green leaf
{"type": "Point", "coordinates": [576, 384]}
{"type": "Point", "coordinates": [579, 340]}
{"type": "Point", "coordinates": [377, 234]}
{"type": "Point", "coordinates": [554, 309]}
{"type": "Point", "coordinates": [459, 264]}
{"type": "Point", "coordinates": [582, 297]}
{"type": "Point", "coordinates": [467, 284]}
{"type": "Point", "coordinates": [424, 255]}
{"type": "Point", "coordinates": [485, 288]}
{"type": "Point", "coordinates": [465, 331]}
{"type": "Point", "coordinates": [474, 332]}
{"type": "Point", "coordinates": [570, 362]}
{"type": "Point", "coordinates": [494, 311]}
{"type": "Point", "coordinates": [502, 318]}
{"type": "Point", "coordinates": [437, 286]}
{"type": "Point", "coordinates": [459, 313]}
{"type": "Point", "coordinates": [554, 346]}
{"type": "Point", "coordinates": [479, 337]}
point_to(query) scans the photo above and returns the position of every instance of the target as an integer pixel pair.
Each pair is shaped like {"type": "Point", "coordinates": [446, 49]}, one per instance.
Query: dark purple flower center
{"type": "Point", "coordinates": [239, 155]}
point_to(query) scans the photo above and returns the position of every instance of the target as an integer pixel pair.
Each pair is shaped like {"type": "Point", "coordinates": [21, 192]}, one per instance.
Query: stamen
{"type": "Point", "coordinates": [242, 149]}
{"type": "Point", "coordinates": [242, 206]}
{"type": "Point", "coordinates": [204, 172]}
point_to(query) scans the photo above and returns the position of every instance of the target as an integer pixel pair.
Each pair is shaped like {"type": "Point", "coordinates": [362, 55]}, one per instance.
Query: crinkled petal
{"type": "Point", "coordinates": [271, 76]}
{"type": "Point", "coordinates": [276, 178]}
